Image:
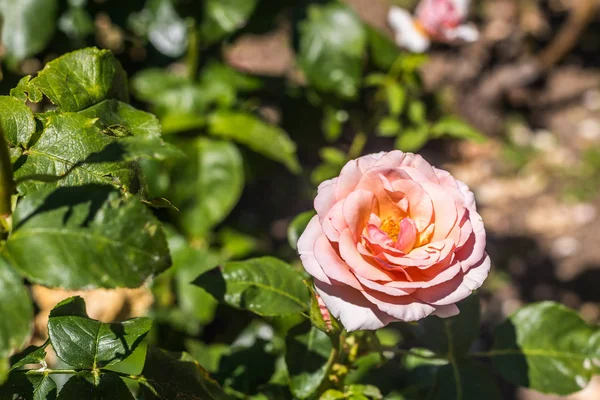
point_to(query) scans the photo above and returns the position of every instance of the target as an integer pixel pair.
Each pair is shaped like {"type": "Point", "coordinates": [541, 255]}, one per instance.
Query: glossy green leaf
{"type": "Point", "coordinates": [332, 45]}
{"type": "Point", "coordinates": [456, 128]}
{"type": "Point", "coordinates": [82, 342]}
{"type": "Point", "coordinates": [135, 148]}
{"type": "Point", "coordinates": [26, 91]}
{"type": "Point", "coordinates": [82, 78]}
{"type": "Point", "coordinates": [84, 238]}
{"type": "Point", "coordinates": [82, 386]}
{"type": "Point", "coordinates": [412, 139]}
{"type": "Point", "coordinates": [113, 112]}
{"type": "Point", "coordinates": [30, 387]}
{"type": "Point", "coordinates": [178, 376]}
{"type": "Point", "coordinates": [297, 226]}
{"type": "Point", "coordinates": [249, 130]}
{"type": "Point", "coordinates": [464, 380]}
{"type": "Point", "coordinates": [16, 121]}
{"type": "Point", "coordinates": [222, 17]}
{"type": "Point", "coordinates": [16, 311]}
{"type": "Point", "coordinates": [265, 286]}
{"type": "Point", "coordinates": [453, 336]}
{"type": "Point", "coordinates": [207, 184]}
{"type": "Point", "coordinates": [27, 26]}
{"type": "Point", "coordinates": [308, 358]}
{"type": "Point", "coordinates": [69, 152]}
{"type": "Point", "coordinates": [31, 355]}
{"type": "Point", "coordinates": [546, 347]}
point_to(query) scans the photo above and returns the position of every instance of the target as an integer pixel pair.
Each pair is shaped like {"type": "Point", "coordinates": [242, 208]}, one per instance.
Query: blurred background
{"type": "Point", "coordinates": [515, 115]}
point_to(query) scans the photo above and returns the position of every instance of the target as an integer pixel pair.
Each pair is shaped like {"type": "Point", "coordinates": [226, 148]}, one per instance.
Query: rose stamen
{"type": "Point", "coordinates": [391, 227]}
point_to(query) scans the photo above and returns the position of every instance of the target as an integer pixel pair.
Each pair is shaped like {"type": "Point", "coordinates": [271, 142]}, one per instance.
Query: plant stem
{"type": "Point", "coordinates": [193, 50]}
{"type": "Point", "coordinates": [45, 371]}
{"type": "Point", "coordinates": [7, 184]}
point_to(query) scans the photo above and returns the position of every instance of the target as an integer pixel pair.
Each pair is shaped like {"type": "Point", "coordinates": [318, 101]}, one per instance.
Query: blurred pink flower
{"type": "Point", "coordinates": [434, 20]}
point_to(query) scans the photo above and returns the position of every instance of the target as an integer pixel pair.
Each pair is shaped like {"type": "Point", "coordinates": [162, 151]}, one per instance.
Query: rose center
{"type": "Point", "coordinates": [391, 227]}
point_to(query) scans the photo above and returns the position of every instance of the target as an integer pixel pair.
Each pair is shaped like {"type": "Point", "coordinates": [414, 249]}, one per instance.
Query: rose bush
{"type": "Point", "coordinates": [393, 239]}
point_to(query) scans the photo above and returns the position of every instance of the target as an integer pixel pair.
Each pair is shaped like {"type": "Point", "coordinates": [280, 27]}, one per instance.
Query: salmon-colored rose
{"type": "Point", "coordinates": [394, 239]}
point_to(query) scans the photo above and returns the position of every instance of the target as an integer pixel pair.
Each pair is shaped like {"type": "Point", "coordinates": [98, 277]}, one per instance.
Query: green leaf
{"type": "Point", "coordinates": [76, 23]}
{"type": "Point", "coordinates": [135, 148]}
{"type": "Point", "coordinates": [86, 237]}
{"type": "Point", "coordinates": [308, 358]}
{"type": "Point", "coordinates": [165, 29]}
{"type": "Point", "coordinates": [464, 381]}
{"type": "Point", "coordinates": [384, 52]}
{"type": "Point", "coordinates": [452, 337]}
{"type": "Point", "coordinates": [297, 226]}
{"type": "Point", "coordinates": [16, 121]}
{"type": "Point", "coordinates": [16, 311]}
{"type": "Point", "coordinates": [113, 112]}
{"type": "Point", "coordinates": [82, 78]}
{"type": "Point", "coordinates": [396, 98]}
{"type": "Point", "coordinates": [417, 112]}
{"type": "Point", "coordinates": [188, 263]}
{"type": "Point", "coordinates": [71, 151]}
{"type": "Point", "coordinates": [31, 355]}
{"type": "Point", "coordinates": [82, 342]}
{"type": "Point", "coordinates": [33, 387]}
{"type": "Point", "coordinates": [412, 139]}
{"type": "Point", "coordinates": [207, 185]}
{"type": "Point", "coordinates": [546, 347]}
{"type": "Point", "coordinates": [265, 286]}
{"type": "Point", "coordinates": [247, 129]}
{"type": "Point", "coordinates": [222, 17]}
{"type": "Point", "coordinates": [152, 84]}
{"type": "Point", "coordinates": [333, 123]}
{"type": "Point", "coordinates": [388, 127]}
{"type": "Point", "coordinates": [26, 91]}
{"type": "Point", "coordinates": [221, 84]}
{"type": "Point", "coordinates": [456, 128]}
{"type": "Point", "coordinates": [181, 104]}
{"type": "Point", "coordinates": [82, 386]}
{"type": "Point", "coordinates": [27, 26]}
{"type": "Point", "coordinates": [208, 355]}
{"type": "Point", "coordinates": [178, 376]}
{"type": "Point", "coordinates": [332, 45]}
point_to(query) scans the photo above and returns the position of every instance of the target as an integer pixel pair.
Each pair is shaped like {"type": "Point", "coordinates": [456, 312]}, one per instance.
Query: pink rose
{"type": "Point", "coordinates": [438, 20]}
{"type": "Point", "coordinates": [394, 239]}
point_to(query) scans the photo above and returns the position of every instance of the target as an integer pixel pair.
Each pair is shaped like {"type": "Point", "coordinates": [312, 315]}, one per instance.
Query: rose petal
{"type": "Point", "coordinates": [357, 209]}
{"type": "Point", "coordinates": [350, 254]}
{"type": "Point", "coordinates": [458, 288]}
{"type": "Point", "coordinates": [446, 311]}
{"type": "Point", "coordinates": [403, 308]}
{"type": "Point", "coordinates": [306, 244]}
{"type": "Point", "coordinates": [351, 307]}
{"type": "Point", "coordinates": [352, 172]}
{"type": "Point", "coordinates": [332, 264]}
{"type": "Point", "coordinates": [325, 198]}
